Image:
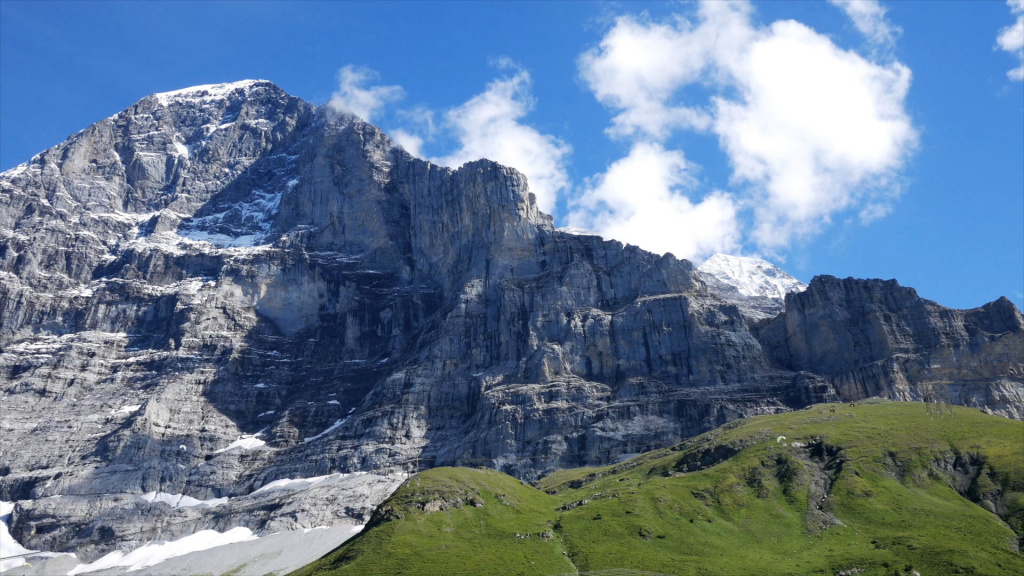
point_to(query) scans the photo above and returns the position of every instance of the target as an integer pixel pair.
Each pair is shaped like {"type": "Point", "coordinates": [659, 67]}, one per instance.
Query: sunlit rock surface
{"type": "Point", "coordinates": [226, 287]}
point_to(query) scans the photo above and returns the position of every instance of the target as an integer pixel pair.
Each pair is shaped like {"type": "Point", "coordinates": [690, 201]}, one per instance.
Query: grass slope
{"type": "Point", "coordinates": [880, 488]}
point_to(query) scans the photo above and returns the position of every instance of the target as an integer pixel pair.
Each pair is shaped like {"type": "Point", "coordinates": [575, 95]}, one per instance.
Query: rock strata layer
{"type": "Point", "coordinates": [223, 287]}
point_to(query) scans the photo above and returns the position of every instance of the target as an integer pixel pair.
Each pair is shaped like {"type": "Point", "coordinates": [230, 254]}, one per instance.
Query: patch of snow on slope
{"type": "Point", "coordinates": [224, 240]}
{"type": "Point", "coordinates": [5, 510]}
{"type": "Point", "coordinates": [10, 547]}
{"type": "Point", "coordinates": [752, 276]}
{"type": "Point", "coordinates": [244, 224]}
{"type": "Point", "coordinates": [13, 554]}
{"type": "Point", "coordinates": [278, 553]}
{"type": "Point", "coordinates": [245, 443]}
{"type": "Point", "coordinates": [291, 484]}
{"type": "Point", "coordinates": [182, 501]}
{"type": "Point", "coordinates": [157, 552]}
{"type": "Point", "coordinates": [337, 424]}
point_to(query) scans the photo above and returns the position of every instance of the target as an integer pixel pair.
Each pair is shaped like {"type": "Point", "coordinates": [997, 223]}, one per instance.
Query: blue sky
{"type": "Point", "coordinates": [881, 140]}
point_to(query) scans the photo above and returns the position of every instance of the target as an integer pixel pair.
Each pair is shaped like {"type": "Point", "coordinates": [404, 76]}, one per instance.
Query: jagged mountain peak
{"type": "Point", "coordinates": [752, 277]}
{"type": "Point", "coordinates": [246, 165]}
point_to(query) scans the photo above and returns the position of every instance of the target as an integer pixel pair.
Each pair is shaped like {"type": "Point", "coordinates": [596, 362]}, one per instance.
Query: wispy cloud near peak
{"type": "Point", "coordinates": [354, 97]}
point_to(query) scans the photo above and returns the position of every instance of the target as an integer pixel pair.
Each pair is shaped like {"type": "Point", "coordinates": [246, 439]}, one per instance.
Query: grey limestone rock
{"type": "Point", "coordinates": [224, 287]}
{"type": "Point", "coordinates": [877, 338]}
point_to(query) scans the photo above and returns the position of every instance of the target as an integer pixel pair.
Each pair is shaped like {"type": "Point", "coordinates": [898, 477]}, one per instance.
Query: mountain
{"type": "Point", "coordinates": [225, 289]}
{"type": "Point", "coordinates": [873, 489]}
{"type": "Point", "coordinates": [751, 277]}
{"type": "Point", "coordinates": [757, 286]}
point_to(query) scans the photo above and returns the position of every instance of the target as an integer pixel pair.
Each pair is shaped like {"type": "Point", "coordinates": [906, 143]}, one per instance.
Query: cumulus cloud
{"type": "Point", "coordinates": [488, 126]}
{"type": "Point", "coordinates": [642, 199]}
{"type": "Point", "coordinates": [868, 17]}
{"type": "Point", "coordinates": [816, 128]}
{"type": "Point", "coordinates": [412, 143]}
{"type": "Point", "coordinates": [354, 97]}
{"type": "Point", "coordinates": [623, 74]}
{"type": "Point", "coordinates": [810, 129]}
{"type": "Point", "coordinates": [640, 64]}
{"type": "Point", "coordinates": [1011, 38]}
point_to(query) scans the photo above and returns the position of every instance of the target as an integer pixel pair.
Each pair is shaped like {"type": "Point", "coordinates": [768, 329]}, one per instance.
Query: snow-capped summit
{"type": "Point", "coordinates": [209, 92]}
{"type": "Point", "coordinates": [751, 276]}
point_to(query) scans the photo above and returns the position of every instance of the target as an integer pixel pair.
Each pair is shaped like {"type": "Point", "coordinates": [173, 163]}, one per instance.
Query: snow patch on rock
{"type": "Point", "coordinates": [10, 549]}
{"type": "Point", "coordinates": [244, 224]}
{"type": "Point", "coordinates": [182, 501]}
{"type": "Point", "coordinates": [337, 424]}
{"type": "Point", "coordinates": [130, 409]}
{"type": "Point", "coordinates": [157, 552]}
{"type": "Point", "coordinates": [292, 484]}
{"type": "Point", "coordinates": [245, 443]}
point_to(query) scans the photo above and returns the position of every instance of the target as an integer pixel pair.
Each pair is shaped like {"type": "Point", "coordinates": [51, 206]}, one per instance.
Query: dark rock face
{"type": "Point", "coordinates": [232, 261]}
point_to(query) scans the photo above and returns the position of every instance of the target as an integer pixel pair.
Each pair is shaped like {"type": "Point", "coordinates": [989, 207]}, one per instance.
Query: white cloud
{"type": "Point", "coordinates": [352, 97]}
{"type": "Point", "coordinates": [1011, 38]}
{"type": "Point", "coordinates": [868, 17]}
{"type": "Point", "coordinates": [412, 143]}
{"type": "Point", "coordinates": [639, 65]}
{"type": "Point", "coordinates": [816, 128]}
{"type": "Point", "coordinates": [419, 129]}
{"type": "Point", "coordinates": [422, 118]}
{"type": "Point", "coordinates": [623, 74]}
{"type": "Point", "coordinates": [488, 126]}
{"type": "Point", "coordinates": [810, 129]}
{"type": "Point", "coordinates": [641, 199]}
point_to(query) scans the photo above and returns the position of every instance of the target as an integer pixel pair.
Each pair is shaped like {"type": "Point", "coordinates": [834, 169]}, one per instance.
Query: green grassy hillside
{"type": "Point", "coordinates": [879, 488]}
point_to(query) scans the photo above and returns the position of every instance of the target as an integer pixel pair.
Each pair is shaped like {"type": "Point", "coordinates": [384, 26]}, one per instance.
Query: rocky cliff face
{"type": "Point", "coordinates": [225, 286]}
{"type": "Point", "coordinates": [877, 338]}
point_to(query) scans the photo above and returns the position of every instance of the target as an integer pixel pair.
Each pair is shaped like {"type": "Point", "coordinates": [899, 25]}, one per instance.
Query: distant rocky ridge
{"type": "Point", "coordinates": [229, 263]}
